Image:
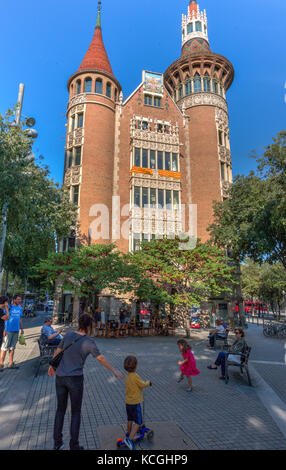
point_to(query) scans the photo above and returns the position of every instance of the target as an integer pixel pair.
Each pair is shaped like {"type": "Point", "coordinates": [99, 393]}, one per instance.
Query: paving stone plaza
{"type": "Point", "coordinates": [214, 416]}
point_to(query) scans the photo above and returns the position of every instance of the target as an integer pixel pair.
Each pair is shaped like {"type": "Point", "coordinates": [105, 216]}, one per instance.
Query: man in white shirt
{"type": "Point", "coordinates": [219, 332]}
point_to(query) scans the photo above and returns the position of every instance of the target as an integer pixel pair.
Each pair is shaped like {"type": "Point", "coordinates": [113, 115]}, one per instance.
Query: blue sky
{"type": "Point", "coordinates": [45, 42]}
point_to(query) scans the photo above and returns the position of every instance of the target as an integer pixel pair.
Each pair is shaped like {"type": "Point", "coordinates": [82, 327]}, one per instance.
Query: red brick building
{"type": "Point", "coordinates": [163, 148]}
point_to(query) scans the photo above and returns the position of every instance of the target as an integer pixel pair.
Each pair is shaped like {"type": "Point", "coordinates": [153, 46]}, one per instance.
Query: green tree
{"type": "Point", "coordinates": [39, 212]}
{"type": "Point", "coordinates": [252, 222]}
{"type": "Point", "coordinates": [178, 277]}
{"type": "Point", "coordinates": [251, 280]}
{"type": "Point", "coordinates": [87, 270]}
{"type": "Point", "coordinates": [273, 286]}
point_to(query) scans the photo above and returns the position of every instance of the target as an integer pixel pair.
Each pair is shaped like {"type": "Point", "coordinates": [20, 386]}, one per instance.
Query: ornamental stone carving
{"type": "Point", "coordinates": [224, 154]}
{"type": "Point", "coordinates": [78, 99]}
{"type": "Point", "coordinates": [203, 99]}
{"type": "Point", "coordinates": [225, 189]}
{"type": "Point", "coordinates": [221, 117]}
{"type": "Point", "coordinates": [72, 176]}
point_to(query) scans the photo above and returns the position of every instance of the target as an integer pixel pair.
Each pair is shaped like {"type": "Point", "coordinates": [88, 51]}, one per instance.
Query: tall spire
{"type": "Point", "coordinates": [96, 57]}
{"type": "Point", "coordinates": [98, 21]}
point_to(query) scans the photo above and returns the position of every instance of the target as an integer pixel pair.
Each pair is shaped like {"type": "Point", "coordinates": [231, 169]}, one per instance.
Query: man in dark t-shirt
{"type": "Point", "coordinates": [4, 315]}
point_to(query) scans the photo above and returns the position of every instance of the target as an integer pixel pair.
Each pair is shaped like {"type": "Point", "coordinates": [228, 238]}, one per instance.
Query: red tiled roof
{"type": "Point", "coordinates": [96, 57]}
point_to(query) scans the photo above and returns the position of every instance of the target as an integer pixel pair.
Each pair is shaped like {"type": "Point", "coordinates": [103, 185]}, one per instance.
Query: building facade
{"type": "Point", "coordinates": [151, 164]}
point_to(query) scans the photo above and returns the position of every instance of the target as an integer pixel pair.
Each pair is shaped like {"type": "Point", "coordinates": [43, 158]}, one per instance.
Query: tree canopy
{"type": "Point", "coordinates": [252, 221]}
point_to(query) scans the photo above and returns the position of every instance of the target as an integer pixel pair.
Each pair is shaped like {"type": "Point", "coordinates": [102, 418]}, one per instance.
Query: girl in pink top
{"type": "Point", "coordinates": [188, 365]}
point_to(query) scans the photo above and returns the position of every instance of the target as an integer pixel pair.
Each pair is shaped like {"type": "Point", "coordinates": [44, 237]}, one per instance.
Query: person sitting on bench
{"type": "Point", "coordinates": [219, 332]}
{"type": "Point", "coordinates": [54, 337]}
{"type": "Point", "coordinates": [233, 355]}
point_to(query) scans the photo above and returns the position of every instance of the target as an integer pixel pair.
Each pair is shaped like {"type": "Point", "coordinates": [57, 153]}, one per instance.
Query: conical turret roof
{"type": "Point", "coordinates": [96, 57]}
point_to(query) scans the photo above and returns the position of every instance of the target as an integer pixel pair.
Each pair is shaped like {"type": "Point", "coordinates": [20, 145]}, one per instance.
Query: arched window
{"type": "Point", "coordinates": [188, 86]}
{"type": "Point", "coordinates": [198, 26]}
{"type": "Point", "coordinates": [87, 85]}
{"type": "Point", "coordinates": [207, 83]}
{"type": "Point", "coordinates": [180, 92]}
{"type": "Point", "coordinates": [197, 83]}
{"type": "Point", "coordinates": [98, 86]}
{"type": "Point", "coordinates": [190, 28]}
{"type": "Point", "coordinates": [108, 90]}
{"type": "Point", "coordinates": [215, 86]}
{"type": "Point", "coordinates": [78, 87]}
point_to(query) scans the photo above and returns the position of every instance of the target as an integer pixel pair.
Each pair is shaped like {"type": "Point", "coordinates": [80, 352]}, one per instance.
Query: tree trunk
{"type": "Point", "coordinates": [7, 283]}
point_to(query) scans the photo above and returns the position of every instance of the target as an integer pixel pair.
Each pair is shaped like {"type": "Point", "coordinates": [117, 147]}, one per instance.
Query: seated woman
{"type": "Point", "coordinates": [237, 347]}
{"type": "Point", "coordinates": [219, 332]}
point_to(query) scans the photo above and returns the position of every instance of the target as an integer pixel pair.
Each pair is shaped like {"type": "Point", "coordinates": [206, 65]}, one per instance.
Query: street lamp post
{"type": "Point", "coordinates": [32, 133]}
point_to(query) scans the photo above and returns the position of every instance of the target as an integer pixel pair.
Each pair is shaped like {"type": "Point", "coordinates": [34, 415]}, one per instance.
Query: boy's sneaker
{"type": "Point", "coordinates": [129, 443]}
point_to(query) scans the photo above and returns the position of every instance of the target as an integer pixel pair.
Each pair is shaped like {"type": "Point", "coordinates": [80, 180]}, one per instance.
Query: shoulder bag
{"type": "Point", "coordinates": [55, 361]}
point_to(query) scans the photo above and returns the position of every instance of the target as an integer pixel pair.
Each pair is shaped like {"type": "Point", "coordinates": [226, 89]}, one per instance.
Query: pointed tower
{"type": "Point", "coordinates": [198, 82]}
{"type": "Point", "coordinates": [93, 94]}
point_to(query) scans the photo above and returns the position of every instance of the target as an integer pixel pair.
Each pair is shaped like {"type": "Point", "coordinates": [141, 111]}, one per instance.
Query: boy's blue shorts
{"type": "Point", "coordinates": [134, 414]}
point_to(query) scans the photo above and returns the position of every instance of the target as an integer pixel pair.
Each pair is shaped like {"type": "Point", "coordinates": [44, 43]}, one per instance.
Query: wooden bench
{"type": "Point", "coordinates": [243, 364]}
{"type": "Point", "coordinates": [47, 351]}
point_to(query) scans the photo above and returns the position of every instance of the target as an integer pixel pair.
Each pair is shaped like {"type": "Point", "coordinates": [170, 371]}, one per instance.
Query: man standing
{"type": "Point", "coordinates": [54, 337]}
{"type": "Point", "coordinates": [12, 327]}
{"type": "Point", "coordinates": [4, 315]}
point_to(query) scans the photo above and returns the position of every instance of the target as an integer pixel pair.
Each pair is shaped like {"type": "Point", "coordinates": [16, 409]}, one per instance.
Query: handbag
{"type": "Point", "coordinates": [55, 361]}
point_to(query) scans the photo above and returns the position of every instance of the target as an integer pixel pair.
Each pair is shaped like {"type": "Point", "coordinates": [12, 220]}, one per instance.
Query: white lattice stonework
{"type": "Point", "coordinates": [78, 99]}
{"type": "Point", "coordinates": [203, 99]}
{"type": "Point", "coordinates": [72, 176]}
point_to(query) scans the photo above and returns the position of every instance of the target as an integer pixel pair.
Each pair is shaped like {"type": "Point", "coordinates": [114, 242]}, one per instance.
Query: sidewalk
{"type": "Point", "coordinates": [213, 416]}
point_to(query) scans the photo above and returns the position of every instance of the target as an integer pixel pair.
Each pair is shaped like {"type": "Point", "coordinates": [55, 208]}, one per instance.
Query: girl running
{"type": "Point", "coordinates": [188, 365]}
